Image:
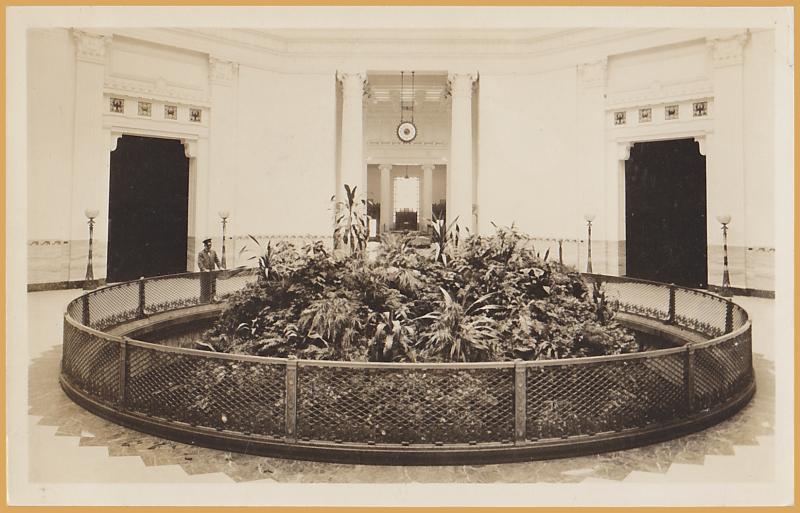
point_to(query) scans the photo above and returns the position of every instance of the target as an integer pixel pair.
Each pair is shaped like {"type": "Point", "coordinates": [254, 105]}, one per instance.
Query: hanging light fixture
{"type": "Point", "coordinates": [406, 130]}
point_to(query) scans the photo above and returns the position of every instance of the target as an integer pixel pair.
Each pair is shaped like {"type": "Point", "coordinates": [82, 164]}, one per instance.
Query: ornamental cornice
{"type": "Point", "coordinates": [90, 47]}
{"type": "Point", "coordinates": [157, 89]}
{"type": "Point", "coordinates": [222, 71]}
{"type": "Point", "coordinates": [658, 93]}
{"type": "Point", "coordinates": [728, 51]}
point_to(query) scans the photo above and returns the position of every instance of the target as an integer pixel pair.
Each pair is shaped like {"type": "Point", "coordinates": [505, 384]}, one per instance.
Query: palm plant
{"type": "Point", "coordinates": [352, 229]}
{"type": "Point", "coordinates": [461, 332]}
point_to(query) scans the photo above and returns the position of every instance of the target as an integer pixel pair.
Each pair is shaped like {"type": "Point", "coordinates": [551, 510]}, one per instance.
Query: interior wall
{"type": "Point", "coordinates": [286, 152]}
{"type": "Point", "coordinates": [527, 124]}
{"type": "Point", "coordinates": [51, 125]}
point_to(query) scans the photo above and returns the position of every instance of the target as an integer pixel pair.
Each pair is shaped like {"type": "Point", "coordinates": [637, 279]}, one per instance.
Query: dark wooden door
{"type": "Point", "coordinates": [148, 208]}
{"type": "Point", "coordinates": [665, 213]}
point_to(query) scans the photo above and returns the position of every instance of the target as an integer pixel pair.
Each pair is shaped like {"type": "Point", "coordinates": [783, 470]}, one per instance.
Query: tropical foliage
{"type": "Point", "coordinates": [480, 298]}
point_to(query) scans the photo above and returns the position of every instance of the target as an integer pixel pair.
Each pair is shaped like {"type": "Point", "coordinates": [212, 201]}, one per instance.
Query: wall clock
{"type": "Point", "coordinates": [406, 131]}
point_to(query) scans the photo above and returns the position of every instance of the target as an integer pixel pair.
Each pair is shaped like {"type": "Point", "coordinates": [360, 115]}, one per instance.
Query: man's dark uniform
{"type": "Point", "coordinates": [207, 261]}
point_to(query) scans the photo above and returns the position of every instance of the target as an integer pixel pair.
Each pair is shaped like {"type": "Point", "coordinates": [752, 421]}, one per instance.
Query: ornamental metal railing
{"type": "Point", "coordinates": [401, 405]}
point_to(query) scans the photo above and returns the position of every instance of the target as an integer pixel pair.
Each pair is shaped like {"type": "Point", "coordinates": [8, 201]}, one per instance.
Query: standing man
{"type": "Point", "coordinates": [207, 261]}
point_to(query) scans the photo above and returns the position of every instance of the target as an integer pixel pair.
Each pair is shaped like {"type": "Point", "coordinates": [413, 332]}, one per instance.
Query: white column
{"type": "Point", "coordinates": [223, 167]}
{"type": "Point", "coordinates": [90, 161]}
{"type": "Point", "coordinates": [427, 195]}
{"type": "Point", "coordinates": [596, 193]}
{"type": "Point", "coordinates": [725, 174]}
{"type": "Point", "coordinates": [386, 197]}
{"type": "Point", "coordinates": [353, 166]}
{"type": "Point", "coordinates": [459, 169]}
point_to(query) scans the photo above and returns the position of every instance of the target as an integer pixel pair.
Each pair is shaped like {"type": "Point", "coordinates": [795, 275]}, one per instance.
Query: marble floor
{"type": "Point", "coordinates": [67, 444]}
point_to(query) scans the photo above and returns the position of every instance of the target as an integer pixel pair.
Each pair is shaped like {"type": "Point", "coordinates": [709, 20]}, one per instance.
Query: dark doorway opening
{"type": "Point", "coordinates": [665, 213]}
{"type": "Point", "coordinates": [148, 208]}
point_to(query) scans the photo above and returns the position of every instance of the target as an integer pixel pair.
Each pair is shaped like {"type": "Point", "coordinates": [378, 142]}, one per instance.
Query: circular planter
{"type": "Point", "coordinates": [418, 414]}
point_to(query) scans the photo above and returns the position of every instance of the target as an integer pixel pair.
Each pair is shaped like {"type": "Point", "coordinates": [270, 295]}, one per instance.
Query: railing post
{"type": "Point", "coordinates": [140, 310]}
{"type": "Point", "coordinates": [688, 378]}
{"type": "Point", "coordinates": [291, 399]}
{"type": "Point", "coordinates": [520, 413]}
{"type": "Point", "coordinates": [86, 317]}
{"type": "Point", "coordinates": [123, 370]}
{"type": "Point", "coordinates": [729, 317]}
{"type": "Point", "coordinates": [671, 318]}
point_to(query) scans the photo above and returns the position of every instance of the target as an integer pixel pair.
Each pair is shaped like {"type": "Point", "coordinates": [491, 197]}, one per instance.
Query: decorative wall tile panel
{"type": "Point", "coordinates": [619, 118]}
{"type": "Point", "coordinates": [117, 105]}
{"type": "Point", "coordinates": [170, 112]}
{"type": "Point", "coordinates": [700, 109]}
{"type": "Point", "coordinates": [145, 109]}
{"type": "Point", "coordinates": [645, 115]}
{"type": "Point", "coordinates": [195, 115]}
{"type": "Point", "coordinates": [671, 112]}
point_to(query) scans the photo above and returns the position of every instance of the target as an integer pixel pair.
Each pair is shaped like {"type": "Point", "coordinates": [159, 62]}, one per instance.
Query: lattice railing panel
{"type": "Point", "coordinates": [722, 369]}
{"type": "Point", "coordinates": [574, 399]}
{"type": "Point", "coordinates": [248, 397]}
{"type": "Point", "coordinates": [91, 363]}
{"type": "Point", "coordinates": [228, 284]}
{"type": "Point", "coordinates": [645, 299]}
{"type": "Point", "coordinates": [169, 293]}
{"type": "Point", "coordinates": [113, 305]}
{"type": "Point", "coordinates": [700, 312]}
{"type": "Point", "coordinates": [426, 406]}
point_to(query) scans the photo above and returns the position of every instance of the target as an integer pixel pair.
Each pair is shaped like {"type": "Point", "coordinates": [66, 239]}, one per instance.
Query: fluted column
{"type": "Point", "coordinates": [427, 195]}
{"type": "Point", "coordinates": [459, 169]}
{"type": "Point", "coordinates": [353, 168]}
{"type": "Point", "coordinates": [386, 197]}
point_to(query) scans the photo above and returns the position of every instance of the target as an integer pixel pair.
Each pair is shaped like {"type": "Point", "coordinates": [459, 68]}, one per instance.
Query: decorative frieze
{"type": "Point", "coordinates": [619, 117]}
{"type": "Point", "coordinates": [728, 51]}
{"type": "Point", "coordinates": [645, 115]}
{"type": "Point", "coordinates": [593, 74]}
{"type": "Point", "coordinates": [195, 115]}
{"type": "Point", "coordinates": [157, 89]}
{"type": "Point", "coordinates": [660, 93]}
{"type": "Point", "coordinates": [90, 47]}
{"type": "Point", "coordinates": [222, 70]}
{"type": "Point", "coordinates": [170, 112]}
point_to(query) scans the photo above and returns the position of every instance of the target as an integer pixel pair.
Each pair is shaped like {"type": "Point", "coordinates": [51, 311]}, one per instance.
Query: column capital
{"type": "Point", "coordinates": [90, 46]}
{"type": "Point", "coordinates": [352, 81]}
{"type": "Point", "coordinates": [593, 74]}
{"type": "Point", "coordinates": [461, 82]}
{"type": "Point", "coordinates": [728, 51]}
{"type": "Point", "coordinates": [428, 166]}
{"type": "Point", "coordinates": [385, 168]}
{"type": "Point", "coordinates": [221, 70]}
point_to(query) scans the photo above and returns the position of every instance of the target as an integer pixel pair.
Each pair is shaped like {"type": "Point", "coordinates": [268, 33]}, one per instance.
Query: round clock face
{"type": "Point", "coordinates": [406, 131]}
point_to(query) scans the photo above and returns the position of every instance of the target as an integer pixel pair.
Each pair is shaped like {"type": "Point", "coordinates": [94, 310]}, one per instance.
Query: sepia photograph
{"type": "Point", "coordinates": [400, 256]}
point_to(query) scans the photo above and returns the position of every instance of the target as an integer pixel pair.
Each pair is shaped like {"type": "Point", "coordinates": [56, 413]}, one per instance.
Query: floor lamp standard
{"type": "Point", "coordinates": [224, 214]}
{"type": "Point", "coordinates": [589, 218]}
{"type": "Point", "coordinates": [726, 291]}
{"type": "Point", "coordinates": [88, 282]}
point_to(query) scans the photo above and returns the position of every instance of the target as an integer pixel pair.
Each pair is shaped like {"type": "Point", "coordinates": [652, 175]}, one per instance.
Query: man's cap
{"type": "Point", "coordinates": [206, 241]}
